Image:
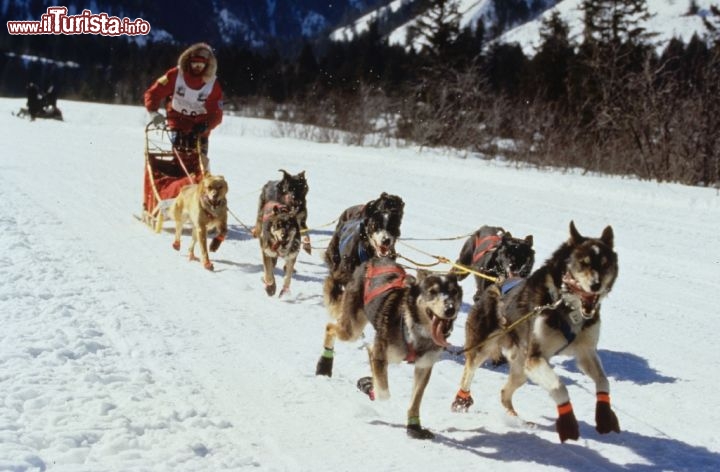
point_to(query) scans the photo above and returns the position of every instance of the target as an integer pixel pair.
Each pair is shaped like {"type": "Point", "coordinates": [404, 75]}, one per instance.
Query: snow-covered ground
{"type": "Point", "coordinates": [117, 354]}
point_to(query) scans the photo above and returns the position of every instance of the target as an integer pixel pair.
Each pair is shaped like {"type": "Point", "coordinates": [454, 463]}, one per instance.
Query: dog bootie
{"type": "Point", "coordinates": [215, 243]}
{"type": "Point", "coordinates": [325, 364]}
{"type": "Point", "coordinates": [365, 385]}
{"type": "Point", "coordinates": [415, 431]}
{"type": "Point", "coordinates": [176, 245]}
{"type": "Point", "coordinates": [463, 402]}
{"type": "Point", "coordinates": [605, 419]}
{"type": "Point", "coordinates": [306, 245]}
{"type": "Point", "coordinates": [566, 424]}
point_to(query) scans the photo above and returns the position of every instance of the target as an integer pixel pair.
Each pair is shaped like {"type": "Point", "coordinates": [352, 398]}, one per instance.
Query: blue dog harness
{"type": "Point", "coordinates": [350, 229]}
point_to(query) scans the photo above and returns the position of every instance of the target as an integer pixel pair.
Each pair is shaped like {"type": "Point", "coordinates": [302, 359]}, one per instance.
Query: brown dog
{"type": "Point", "coordinates": [205, 206]}
{"type": "Point", "coordinates": [412, 318]}
{"type": "Point", "coordinates": [279, 238]}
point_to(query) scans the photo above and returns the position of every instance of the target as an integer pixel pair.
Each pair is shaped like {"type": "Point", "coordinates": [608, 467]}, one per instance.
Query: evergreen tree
{"type": "Point", "coordinates": [437, 29]}
{"type": "Point", "coordinates": [551, 63]}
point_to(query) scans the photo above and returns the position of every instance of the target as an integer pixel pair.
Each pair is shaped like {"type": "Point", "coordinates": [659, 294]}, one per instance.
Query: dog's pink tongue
{"type": "Point", "coordinates": [437, 332]}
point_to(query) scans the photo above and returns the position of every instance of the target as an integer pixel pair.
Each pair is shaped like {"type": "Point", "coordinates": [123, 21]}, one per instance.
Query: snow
{"type": "Point", "coordinates": [116, 353]}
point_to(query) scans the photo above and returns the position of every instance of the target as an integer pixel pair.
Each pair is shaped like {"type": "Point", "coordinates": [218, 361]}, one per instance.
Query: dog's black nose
{"type": "Point", "coordinates": [595, 286]}
{"type": "Point", "coordinates": [449, 310]}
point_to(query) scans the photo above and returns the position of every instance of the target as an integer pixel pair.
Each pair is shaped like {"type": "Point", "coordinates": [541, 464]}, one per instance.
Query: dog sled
{"type": "Point", "coordinates": [168, 168]}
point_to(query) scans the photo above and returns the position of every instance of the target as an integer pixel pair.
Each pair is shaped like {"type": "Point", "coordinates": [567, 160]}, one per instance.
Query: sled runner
{"type": "Point", "coordinates": [168, 168]}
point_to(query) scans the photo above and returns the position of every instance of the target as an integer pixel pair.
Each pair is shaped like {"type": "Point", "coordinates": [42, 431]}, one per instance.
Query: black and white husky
{"type": "Point", "coordinates": [558, 311]}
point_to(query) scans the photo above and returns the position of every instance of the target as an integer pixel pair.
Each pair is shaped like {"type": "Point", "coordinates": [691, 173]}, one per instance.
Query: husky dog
{"type": "Point", "coordinates": [561, 301]}
{"type": "Point", "coordinates": [205, 206]}
{"type": "Point", "coordinates": [290, 191]}
{"type": "Point", "coordinates": [412, 319]}
{"type": "Point", "coordinates": [362, 232]}
{"type": "Point", "coordinates": [495, 252]}
{"type": "Point", "coordinates": [279, 237]}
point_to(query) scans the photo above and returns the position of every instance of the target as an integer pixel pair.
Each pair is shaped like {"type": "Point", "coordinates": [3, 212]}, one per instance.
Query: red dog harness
{"type": "Point", "coordinates": [485, 245]}
{"type": "Point", "coordinates": [269, 208]}
{"type": "Point", "coordinates": [372, 273]}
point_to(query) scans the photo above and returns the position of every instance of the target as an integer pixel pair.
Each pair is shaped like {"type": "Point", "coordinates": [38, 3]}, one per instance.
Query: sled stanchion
{"type": "Point", "coordinates": [168, 169]}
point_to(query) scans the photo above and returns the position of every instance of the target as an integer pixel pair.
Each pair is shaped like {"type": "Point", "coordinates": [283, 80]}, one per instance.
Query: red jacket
{"type": "Point", "coordinates": [163, 89]}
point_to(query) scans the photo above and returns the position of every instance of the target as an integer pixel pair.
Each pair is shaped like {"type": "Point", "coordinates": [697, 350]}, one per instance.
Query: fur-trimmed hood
{"type": "Point", "coordinates": [199, 49]}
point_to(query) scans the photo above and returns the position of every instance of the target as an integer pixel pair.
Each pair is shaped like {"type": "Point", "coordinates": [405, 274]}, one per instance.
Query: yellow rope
{"type": "Point", "coordinates": [445, 260]}
{"type": "Point", "coordinates": [449, 238]}
{"type": "Point", "coordinates": [512, 326]}
{"type": "Point", "coordinates": [321, 226]}
{"type": "Point", "coordinates": [249, 230]}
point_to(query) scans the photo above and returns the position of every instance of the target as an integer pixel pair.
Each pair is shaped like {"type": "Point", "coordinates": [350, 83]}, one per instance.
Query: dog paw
{"type": "Point", "coordinates": [284, 291]}
{"type": "Point", "coordinates": [215, 244]}
{"type": "Point", "coordinates": [416, 431]}
{"type": "Point", "coordinates": [209, 266]}
{"type": "Point", "coordinates": [306, 245]}
{"type": "Point", "coordinates": [463, 402]}
{"type": "Point", "coordinates": [270, 289]}
{"type": "Point", "coordinates": [324, 366]}
{"type": "Point", "coordinates": [605, 419]}
{"type": "Point", "coordinates": [176, 245]}
{"type": "Point", "coordinates": [566, 424]}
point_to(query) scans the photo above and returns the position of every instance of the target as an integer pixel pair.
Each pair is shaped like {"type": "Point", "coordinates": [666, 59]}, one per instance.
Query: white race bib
{"type": "Point", "coordinates": [189, 101]}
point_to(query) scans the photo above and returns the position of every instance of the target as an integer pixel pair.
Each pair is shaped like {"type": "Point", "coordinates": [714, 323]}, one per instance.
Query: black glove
{"type": "Point", "coordinates": [199, 128]}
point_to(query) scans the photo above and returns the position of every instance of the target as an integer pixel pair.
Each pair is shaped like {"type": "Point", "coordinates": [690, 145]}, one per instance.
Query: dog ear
{"type": "Point", "coordinates": [369, 208]}
{"type": "Point", "coordinates": [422, 274]}
{"type": "Point", "coordinates": [286, 174]}
{"type": "Point", "coordinates": [529, 239]}
{"type": "Point", "coordinates": [575, 236]}
{"type": "Point", "coordinates": [608, 236]}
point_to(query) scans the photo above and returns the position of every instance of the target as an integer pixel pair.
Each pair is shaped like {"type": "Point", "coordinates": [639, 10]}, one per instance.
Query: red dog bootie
{"type": "Point", "coordinates": [463, 401]}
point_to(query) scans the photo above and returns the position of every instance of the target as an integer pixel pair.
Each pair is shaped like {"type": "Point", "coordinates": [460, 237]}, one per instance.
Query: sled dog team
{"type": "Point", "coordinates": [519, 315]}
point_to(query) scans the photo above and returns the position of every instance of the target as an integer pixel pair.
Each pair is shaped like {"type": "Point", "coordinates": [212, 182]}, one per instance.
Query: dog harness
{"type": "Point", "coordinates": [483, 245]}
{"type": "Point", "coordinates": [348, 231]}
{"type": "Point", "coordinates": [379, 280]}
{"type": "Point", "coordinates": [269, 209]}
{"type": "Point", "coordinates": [510, 284]}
